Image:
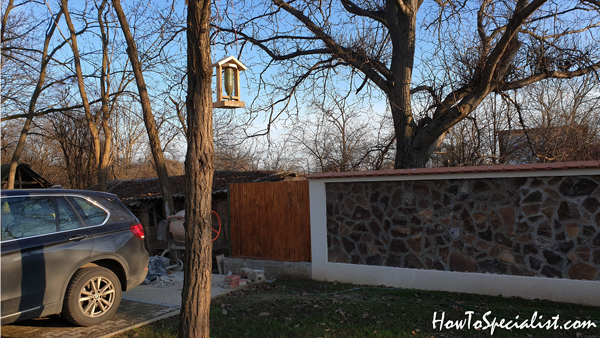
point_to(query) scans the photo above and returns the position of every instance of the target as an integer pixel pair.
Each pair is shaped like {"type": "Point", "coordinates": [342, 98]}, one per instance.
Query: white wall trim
{"type": "Point", "coordinates": [555, 289]}
{"type": "Point", "coordinates": [464, 176]}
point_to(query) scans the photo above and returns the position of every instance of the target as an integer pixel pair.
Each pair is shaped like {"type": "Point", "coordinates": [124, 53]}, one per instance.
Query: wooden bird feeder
{"type": "Point", "coordinates": [228, 83]}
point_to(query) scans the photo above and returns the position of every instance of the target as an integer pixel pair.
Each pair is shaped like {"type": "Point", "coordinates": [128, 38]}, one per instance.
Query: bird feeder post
{"type": "Point", "coordinates": [228, 80]}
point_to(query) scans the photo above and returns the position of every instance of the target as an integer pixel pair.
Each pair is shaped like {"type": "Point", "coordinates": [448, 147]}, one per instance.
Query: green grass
{"type": "Point", "coordinates": [306, 308]}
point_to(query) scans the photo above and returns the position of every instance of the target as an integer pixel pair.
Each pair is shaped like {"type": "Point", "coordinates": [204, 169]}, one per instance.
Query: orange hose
{"type": "Point", "coordinates": [218, 232]}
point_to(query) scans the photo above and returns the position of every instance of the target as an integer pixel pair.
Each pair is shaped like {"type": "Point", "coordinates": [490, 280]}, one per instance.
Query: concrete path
{"type": "Point", "coordinates": [171, 295]}
{"type": "Point", "coordinates": [141, 306]}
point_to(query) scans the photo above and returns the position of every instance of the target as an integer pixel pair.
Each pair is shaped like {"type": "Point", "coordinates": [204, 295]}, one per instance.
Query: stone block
{"type": "Point", "coordinates": [244, 272]}
{"type": "Point", "coordinates": [257, 275]}
{"type": "Point", "coordinates": [584, 253]}
{"type": "Point", "coordinates": [427, 213]}
{"type": "Point", "coordinates": [584, 186]}
{"type": "Point", "coordinates": [531, 209]}
{"type": "Point", "coordinates": [572, 229]}
{"type": "Point", "coordinates": [462, 263]}
{"type": "Point", "coordinates": [479, 216]}
{"type": "Point", "coordinates": [520, 271]}
{"type": "Point", "coordinates": [572, 257]}
{"type": "Point", "coordinates": [591, 204]}
{"type": "Point", "coordinates": [551, 272]}
{"type": "Point", "coordinates": [568, 211]}
{"type": "Point", "coordinates": [582, 271]}
{"type": "Point", "coordinates": [492, 266]}
{"type": "Point", "coordinates": [507, 257]}
{"type": "Point", "coordinates": [552, 257]}
{"type": "Point", "coordinates": [534, 197]}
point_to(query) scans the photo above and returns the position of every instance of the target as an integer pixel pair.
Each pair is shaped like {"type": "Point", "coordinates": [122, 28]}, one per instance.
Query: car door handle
{"type": "Point", "coordinates": [78, 237]}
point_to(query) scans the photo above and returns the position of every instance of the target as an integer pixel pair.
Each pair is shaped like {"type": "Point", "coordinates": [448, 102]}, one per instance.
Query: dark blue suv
{"type": "Point", "coordinates": [68, 251]}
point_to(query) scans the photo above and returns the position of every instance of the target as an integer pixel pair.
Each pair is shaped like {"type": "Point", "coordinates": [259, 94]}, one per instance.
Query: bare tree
{"type": "Point", "coordinates": [282, 155]}
{"type": "Point", "coordinates": [153, 135]}
{"type": "Point", "coordinates": [70, 131]}
{"type": "Point", "coordinates": [91, 121]}
{"type": "Point", "coordinates": [105, 153]}
{"type": "Point", "coordinates": [45, 59]}
{"type": "Point", "coordinates": [339, 136]}
{"type": "Point", "coordinates": [128, 135]}
{"type": "Point", "coordinates": [559, 123]}
{"type": "Point", "coordinates": [199, 167]}
{"type": "Point", "coordinates": [549, 121]}
{"type": "Point", "coordinates": [495, 46]}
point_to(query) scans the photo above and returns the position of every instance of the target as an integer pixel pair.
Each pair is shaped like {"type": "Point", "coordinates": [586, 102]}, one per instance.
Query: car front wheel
{"type": "Point", "coordinates": [92, 297]}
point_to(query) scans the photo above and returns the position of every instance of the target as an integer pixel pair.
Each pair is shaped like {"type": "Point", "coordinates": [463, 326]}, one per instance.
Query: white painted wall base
{"type": "Point", "coordinates": [554, 289]}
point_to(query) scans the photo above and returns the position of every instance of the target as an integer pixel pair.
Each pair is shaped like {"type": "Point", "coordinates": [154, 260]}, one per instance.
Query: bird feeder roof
{"type": "Point", "coordinates": [229, 60]}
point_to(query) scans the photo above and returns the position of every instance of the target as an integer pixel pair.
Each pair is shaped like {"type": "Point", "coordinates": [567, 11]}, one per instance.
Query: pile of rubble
{"type": "Point", "coordinates": [158, 276]}
{"type": "Point", "coordinates": [246, 276]}
{"type": "Point", "coordinates": [157, 273]}
{"type": "Point", "coordinates": [166, 281]}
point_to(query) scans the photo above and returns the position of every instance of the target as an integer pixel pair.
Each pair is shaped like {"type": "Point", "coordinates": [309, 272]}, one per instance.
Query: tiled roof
{"type": "Point", "coordinates": [149, 187]}
{"type": "Point", "coordinates": [461, 170]}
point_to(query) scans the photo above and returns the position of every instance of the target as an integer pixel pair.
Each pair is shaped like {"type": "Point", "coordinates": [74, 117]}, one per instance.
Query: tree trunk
{"type": "Point", "coordinates": [199, 166]}
{"type": "Point", "coordinates": [31, 110]}
{"type": "Point", "coordinates": [155, 147]}
{"type": "Point", "coordinates": [104, 162]}
{"type": "Point", "coordinates": [95, 137]}
{"type": "Point", "coordinates": [403, 34]}
{"type": "Point", "coordinates": [9, 7]}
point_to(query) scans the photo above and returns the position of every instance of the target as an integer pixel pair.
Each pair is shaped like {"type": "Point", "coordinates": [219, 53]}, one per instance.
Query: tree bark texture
{"type": "Point", "coordinates": [9, 7]}
{"type": "Point", "coordinates": [403, 34]}
{"type": "Point", "coordinates": [153, 136]}
{"type": "Point", "coordinates": [105, 158]}
{"type": "Point", "coordinates": [81, 85]}
{"type": "Point", "coordinates": [199, 167]}
{"type": "Point", "coordinates": [31, 110]}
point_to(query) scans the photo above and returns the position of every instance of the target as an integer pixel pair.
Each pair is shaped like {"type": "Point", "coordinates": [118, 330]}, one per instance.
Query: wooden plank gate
{"type": "Point", "coordinates": [270, 220]}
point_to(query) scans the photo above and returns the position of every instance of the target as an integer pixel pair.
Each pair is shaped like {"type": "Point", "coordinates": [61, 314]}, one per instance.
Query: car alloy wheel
{"type": "Point", "coordinates": [92, 297]}
{"type": "Point", "coordinates": [97, 296]}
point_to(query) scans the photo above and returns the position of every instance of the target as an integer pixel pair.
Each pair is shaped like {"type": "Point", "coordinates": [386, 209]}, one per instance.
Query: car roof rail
{"type": "Point", "coordinates": [58, 186]}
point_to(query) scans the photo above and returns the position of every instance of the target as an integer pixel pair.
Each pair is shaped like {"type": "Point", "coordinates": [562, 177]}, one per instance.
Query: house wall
{"type": "Point", "coordinates": [528, 234]}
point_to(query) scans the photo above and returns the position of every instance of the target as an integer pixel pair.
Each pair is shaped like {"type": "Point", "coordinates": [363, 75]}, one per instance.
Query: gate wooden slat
{"type": "Point", "coordinates": [233, 219]}
{"type": "Point", "coordinates": [241, 244]}
{"type": "Point", "coordinates": [245, 229]}
{"type": "Point", "coordinates": [270, 220]}
{"type": "Point", "coordinates": [280, 223]}
{"type": "Point", "coordinates": [284, 221]}
{"type": "Point", "coordinates": [296, 221]}
{"type": "Point", "coordinates": [255, 228]}
{"type": "Point", "coordinates": [306, 225]}
{"type": "Point", "coordinates": [292, 246]}
{"type": "Point", "coordinates": [265, 222]}
{"type": "Point", "coordinates": [300, 227]}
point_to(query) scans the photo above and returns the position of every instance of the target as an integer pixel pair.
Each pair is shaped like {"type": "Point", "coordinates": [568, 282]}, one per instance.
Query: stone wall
{"type": "Point", "coordinates": [546, 226]}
